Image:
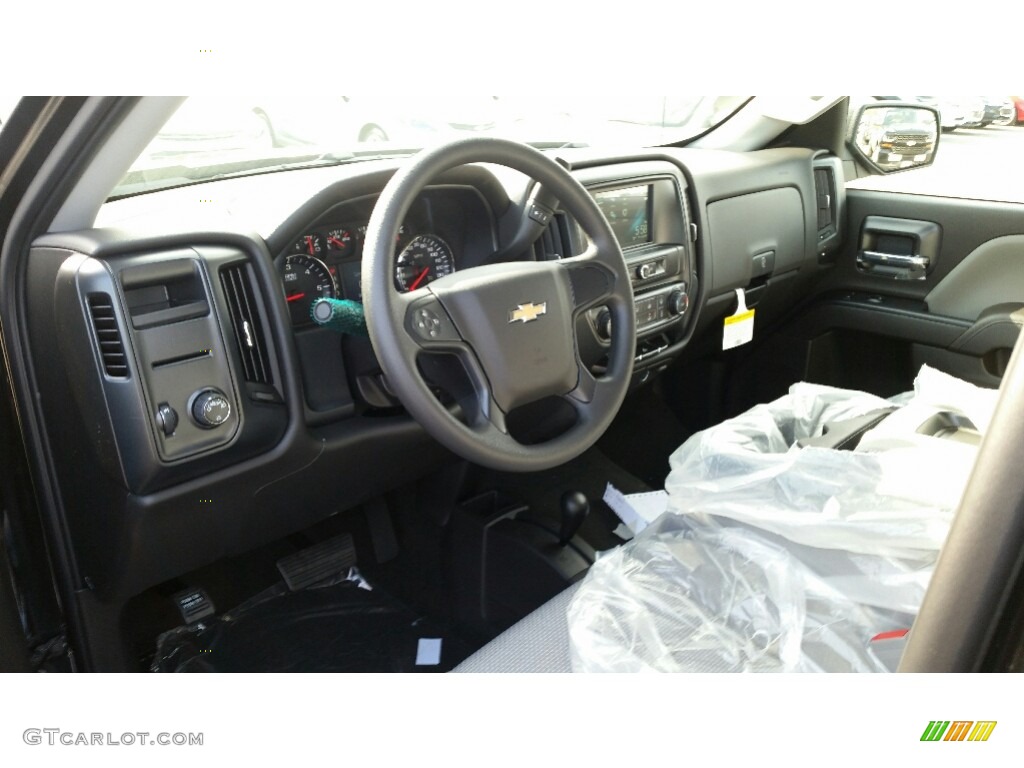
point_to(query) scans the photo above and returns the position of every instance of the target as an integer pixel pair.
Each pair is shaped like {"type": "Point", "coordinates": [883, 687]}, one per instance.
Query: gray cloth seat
{"type": "Point", "coordinates": [537, 643]}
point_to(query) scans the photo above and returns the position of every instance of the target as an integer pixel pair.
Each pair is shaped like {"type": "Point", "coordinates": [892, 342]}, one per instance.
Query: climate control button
{"type": "Point", "coordinates": [678, 302]}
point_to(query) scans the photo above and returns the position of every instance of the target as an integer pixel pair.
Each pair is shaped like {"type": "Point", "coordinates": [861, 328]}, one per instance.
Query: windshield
{"type": "Point", "coordinates": [214, 137]}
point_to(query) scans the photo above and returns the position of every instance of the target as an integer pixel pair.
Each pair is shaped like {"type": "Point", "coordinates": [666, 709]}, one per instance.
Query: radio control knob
{"type": "Point", "coordinates": [678, 302]}
{"type": "Point", "coordinates": [604, 325]}
{"type": "Point", "coordinates": [210, 408]}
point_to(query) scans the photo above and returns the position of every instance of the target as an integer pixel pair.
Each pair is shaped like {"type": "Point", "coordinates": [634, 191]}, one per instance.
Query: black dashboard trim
{"type": "Point", "coordinates": [138, 540]}
{"type": "Point", "coordinates": [349, 189]}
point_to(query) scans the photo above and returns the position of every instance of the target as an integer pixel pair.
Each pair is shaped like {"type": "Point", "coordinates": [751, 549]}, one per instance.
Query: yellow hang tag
{"type": "Point", "coordinates": [739, 327]}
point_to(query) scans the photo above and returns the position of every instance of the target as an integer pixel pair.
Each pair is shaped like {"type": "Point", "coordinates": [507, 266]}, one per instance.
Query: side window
{"type": "Point", "coordinates": [980, 152]}
{"type": "Point", "coordinates": [7, 104]}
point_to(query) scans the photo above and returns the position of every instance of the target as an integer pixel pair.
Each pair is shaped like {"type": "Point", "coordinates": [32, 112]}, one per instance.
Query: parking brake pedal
{"type": "Point", "coordinates": [319, 562]}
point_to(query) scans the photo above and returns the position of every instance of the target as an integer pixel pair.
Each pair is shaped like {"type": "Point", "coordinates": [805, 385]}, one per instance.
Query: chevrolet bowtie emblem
{"type": "Point", "coordinates": [527, 313]}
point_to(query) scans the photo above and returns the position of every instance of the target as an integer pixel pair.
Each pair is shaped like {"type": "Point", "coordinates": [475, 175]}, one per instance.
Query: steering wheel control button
{"type": "Point", "coordinates": [429, 322]}
{"type": "Point", "coordinates": [540, 214]}
{"type": "Point", "coordinates": [166, 419]}
{"type": "Point", "coordinates": [210, 408]}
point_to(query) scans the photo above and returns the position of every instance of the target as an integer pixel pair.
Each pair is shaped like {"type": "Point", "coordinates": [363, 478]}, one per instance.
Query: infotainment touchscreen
{"type": "Point", "coordinates": [628, 211]}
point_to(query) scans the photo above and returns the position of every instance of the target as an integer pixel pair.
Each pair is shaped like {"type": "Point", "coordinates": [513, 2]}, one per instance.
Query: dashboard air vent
{"type": "Point", "coordinates": [824, 188]}
{"type": "Point", "coordinates": [108, 336]}
{"type": "Point", "coordinates": [555, 242]}
{"type": "Point", "coordinates": [238, 291]}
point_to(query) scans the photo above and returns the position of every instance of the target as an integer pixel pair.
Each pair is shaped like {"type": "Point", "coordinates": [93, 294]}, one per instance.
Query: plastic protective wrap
{"type": "Point", "coordinates": [676, 599]}
{"type": "Point", "coordinates": [770, 552]}
{"type": "Point", "coordinates": [893, 496]}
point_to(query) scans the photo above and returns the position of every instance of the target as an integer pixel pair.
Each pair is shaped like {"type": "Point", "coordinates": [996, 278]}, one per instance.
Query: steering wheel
{"type": "Point", "coordinates": [511, 325]}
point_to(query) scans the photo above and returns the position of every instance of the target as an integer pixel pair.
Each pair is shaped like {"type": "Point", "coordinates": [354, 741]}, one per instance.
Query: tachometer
{"type": "Point", "coordinates": [305, 280]}
{"type": "Point", "coordinates": [423, 260]}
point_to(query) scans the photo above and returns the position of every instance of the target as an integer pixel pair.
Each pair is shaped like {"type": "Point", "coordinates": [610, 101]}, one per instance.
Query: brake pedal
{"type": "Point", "coordinates": [319, 562]}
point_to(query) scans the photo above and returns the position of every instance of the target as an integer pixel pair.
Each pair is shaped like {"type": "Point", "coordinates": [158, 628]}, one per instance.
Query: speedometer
{"type": "Point", "coordinates": [423, 260]}
{"type": "Point", "coordinates": [305, 280]}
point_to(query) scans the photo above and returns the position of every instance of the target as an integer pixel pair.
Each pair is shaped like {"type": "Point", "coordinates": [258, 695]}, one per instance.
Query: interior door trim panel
{"type": "Point", "coordinates": [966, 226]}
{"type": "Point", "coordinates": [884, 316]}
{"type": "Point", "coordinates": [991, 274]}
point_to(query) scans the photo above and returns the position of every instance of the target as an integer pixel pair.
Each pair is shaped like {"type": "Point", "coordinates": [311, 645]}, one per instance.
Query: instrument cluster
{"type": "Point", "coordinates": [326, 263]}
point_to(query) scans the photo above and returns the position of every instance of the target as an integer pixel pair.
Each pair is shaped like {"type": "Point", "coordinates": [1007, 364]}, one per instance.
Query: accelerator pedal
{"type": "Point", "coordinates": [321, 561]}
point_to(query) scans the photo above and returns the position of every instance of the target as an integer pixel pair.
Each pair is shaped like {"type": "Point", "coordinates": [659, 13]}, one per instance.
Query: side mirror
{"type": "Point", "coordinates": [895, 137]}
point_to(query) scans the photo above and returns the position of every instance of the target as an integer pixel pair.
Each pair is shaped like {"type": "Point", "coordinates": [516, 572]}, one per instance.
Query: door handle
{"type": "Point", "coordinates": [894, 265]}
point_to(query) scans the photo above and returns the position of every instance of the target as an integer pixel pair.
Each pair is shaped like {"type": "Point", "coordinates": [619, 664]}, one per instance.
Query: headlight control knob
{"type": "Point", "coordinates": [210, 408]}
{"type": "Point", "coordinates": [166, 419]}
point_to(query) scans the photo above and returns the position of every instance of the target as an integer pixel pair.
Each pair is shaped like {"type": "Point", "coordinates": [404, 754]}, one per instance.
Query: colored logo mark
{"type": "Point", "coordinates": [958, 730]}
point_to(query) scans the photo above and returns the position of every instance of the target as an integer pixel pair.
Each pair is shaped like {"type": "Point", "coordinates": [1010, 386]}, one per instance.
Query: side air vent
{"type": "Point", "coordinates": [830, 205]}
{"type": "Point", "coordinates": [104, 323]}
{"type": "Point", "coordinates": [555, 243]}
{"type": "Point", "coordinates": [245, 321]}
{"type": "Point", "coordinates": [824, 188]}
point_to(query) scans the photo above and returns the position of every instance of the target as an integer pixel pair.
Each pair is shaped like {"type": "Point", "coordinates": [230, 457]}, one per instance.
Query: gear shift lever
{"type": "Point", "coordinates": [575, 507]}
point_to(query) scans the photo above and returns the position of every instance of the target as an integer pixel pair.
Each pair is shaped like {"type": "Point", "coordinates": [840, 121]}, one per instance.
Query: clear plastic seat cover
{"type": "Point", "coordinates": [773, 557]}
